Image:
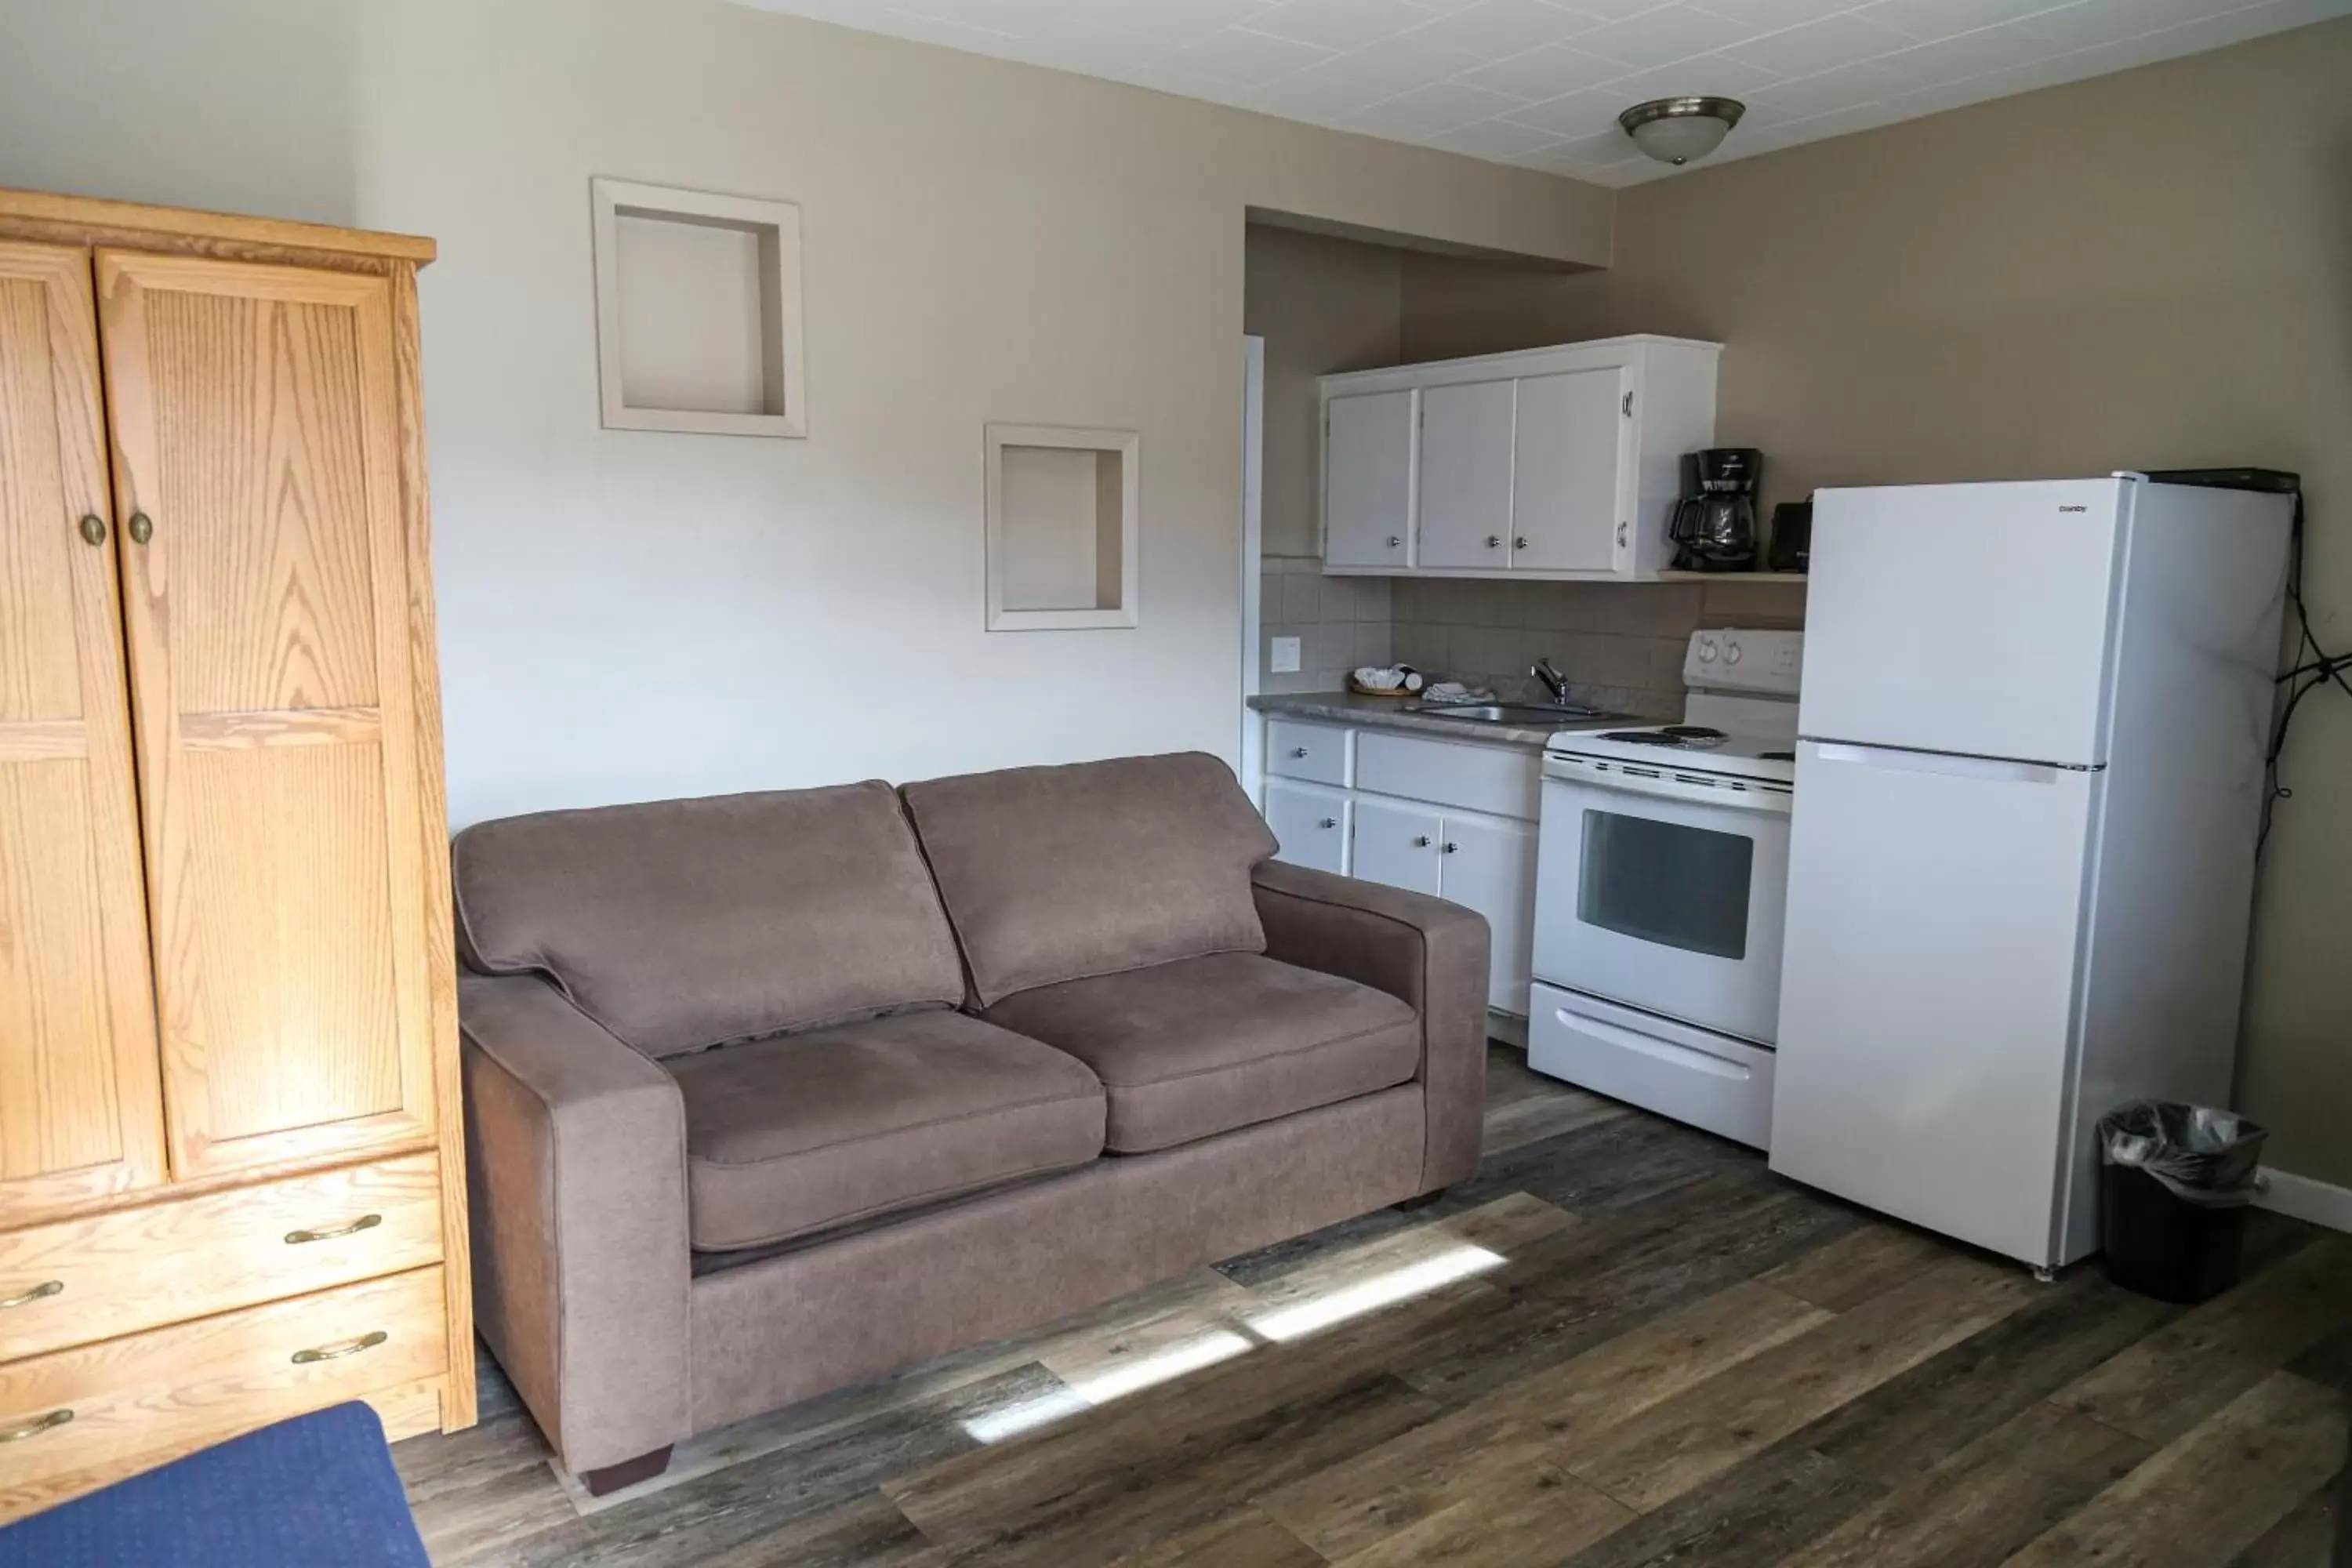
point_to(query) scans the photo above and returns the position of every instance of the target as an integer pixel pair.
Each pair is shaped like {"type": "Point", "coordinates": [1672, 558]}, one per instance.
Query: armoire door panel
{"type": "Point", "coordinates": [80, 1112]}
{"type": "Point", "coordinates": [267, 614]}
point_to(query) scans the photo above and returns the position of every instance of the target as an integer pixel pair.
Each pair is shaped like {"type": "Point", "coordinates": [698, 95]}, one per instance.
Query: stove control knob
{"type": "Point", "coordinates": [1731, 653]}
{"type": "Point", "coordinates": [1706, 650]}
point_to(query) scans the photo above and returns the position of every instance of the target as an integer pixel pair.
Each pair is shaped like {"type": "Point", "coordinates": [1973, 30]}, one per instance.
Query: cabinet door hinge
{"type": "Point", "coordinates": [1629, 405]}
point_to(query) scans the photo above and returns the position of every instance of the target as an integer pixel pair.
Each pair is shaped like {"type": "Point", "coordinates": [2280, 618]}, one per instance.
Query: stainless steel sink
{"type": "Point", "coordinates": [1530, 715]}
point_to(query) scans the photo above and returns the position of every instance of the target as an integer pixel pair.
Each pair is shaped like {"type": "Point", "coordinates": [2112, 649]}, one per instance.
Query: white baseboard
{"type": "Point", "coordinates": [2300, 1198]}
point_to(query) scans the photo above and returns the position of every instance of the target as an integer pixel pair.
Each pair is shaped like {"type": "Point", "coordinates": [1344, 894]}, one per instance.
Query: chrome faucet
{"type": "Point", "coordinates": [1554, 682]}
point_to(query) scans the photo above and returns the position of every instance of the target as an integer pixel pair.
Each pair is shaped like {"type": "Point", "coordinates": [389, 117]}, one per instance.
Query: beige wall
{"type": "Point", "coordinates": [1322, 305]}
{"type": "Point", "coordinates": [627, 615]}
{"type": "Point", "coordinates": [2150, 269]}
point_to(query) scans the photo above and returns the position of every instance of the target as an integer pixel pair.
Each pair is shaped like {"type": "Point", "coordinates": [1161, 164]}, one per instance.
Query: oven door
{"type": "Point", "coordinates": [1665, 889]}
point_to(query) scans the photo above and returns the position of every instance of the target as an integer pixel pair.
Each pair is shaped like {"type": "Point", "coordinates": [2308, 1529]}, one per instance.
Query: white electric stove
{"type": "Point", "coordinates": [1660, 889]}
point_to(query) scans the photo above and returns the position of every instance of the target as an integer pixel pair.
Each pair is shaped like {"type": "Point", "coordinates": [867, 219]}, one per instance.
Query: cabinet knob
{"type": "Point", "coordinates": [93, 528]}
{"type": "Point", "coordinates": [1449, 848]}
{"type": "Point", "coordinates": [1421, 841]}
{"type": "Point", "coordinates": [1326, 822]}
{"type": "Point", "coordinates": [1520, 543]}
{"type": "Point", "coordinates": [1494, 541]}
{"type": "Point", "coordinates": [1394, 541]}
{"type": "Point", "coordinates": [141, 529]}
{"type": "Point", "coordinates": [1297, 750]}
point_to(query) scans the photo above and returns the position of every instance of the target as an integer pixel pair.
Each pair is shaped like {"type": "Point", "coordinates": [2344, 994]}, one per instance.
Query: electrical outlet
{"type": "Point", "coordinates": [1285, 660]}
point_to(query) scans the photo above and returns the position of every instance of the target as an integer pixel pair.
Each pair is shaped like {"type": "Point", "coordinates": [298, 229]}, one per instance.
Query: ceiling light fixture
{"type": "Point", "coordinates": [1677, 130]}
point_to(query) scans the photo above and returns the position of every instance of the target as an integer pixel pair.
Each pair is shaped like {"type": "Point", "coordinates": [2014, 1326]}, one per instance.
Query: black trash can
{"type": "Point", "coordinates": [2174, 1183]}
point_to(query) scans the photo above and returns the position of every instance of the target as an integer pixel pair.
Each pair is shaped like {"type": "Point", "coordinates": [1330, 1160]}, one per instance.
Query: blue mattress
{"type": "Point", "coordinates": [318, 1490]}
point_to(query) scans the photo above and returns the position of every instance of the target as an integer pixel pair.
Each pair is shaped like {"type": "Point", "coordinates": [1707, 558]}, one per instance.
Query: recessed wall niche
{"type": "Point", "coordinates": [1063, 526]}
{"type": "Point", "coordinates": [698, 312]}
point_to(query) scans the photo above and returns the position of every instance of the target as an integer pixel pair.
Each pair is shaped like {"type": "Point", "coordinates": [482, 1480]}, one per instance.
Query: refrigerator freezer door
{"type": "Point", "coordinates": [1928, 1002]}
{"type": "Point", "coordinates": [1964, 619]}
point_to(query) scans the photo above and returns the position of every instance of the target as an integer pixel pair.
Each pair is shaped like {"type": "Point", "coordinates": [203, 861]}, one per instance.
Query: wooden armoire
{"type": "Point", "coordinates": [231, 1184]}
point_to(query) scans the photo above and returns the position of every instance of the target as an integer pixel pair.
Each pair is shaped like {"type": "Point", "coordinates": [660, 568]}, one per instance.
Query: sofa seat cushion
{"type": "Point", "coordinates": [804, 1133]}
{"type": "Point", "coordinates": [1205, 1045]}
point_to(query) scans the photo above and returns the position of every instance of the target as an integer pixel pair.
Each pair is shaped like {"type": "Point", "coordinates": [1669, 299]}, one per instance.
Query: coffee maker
{"type": "Point", "coordinates": [1713, 527]}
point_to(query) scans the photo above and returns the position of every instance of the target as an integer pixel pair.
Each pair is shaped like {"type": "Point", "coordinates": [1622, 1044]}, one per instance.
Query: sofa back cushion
{"type": "Point", "coordinates": [682, 924]}
{"type": "Point", "coordinates": [1053, 874]}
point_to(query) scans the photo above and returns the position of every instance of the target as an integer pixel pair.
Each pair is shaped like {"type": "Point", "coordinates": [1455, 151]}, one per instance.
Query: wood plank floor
{"type": "Point", "coordinates": [1624, 1344]}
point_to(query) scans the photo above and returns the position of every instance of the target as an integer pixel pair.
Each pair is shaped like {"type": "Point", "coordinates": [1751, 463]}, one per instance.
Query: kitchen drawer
{"type": "Point", "coordinates": [1692, 1075]}
{"type": "Point", "coordinates": [1316, 753]}
{"type": "Point", "coordinates": [73, 1281]}
{"type": "Point", "coordinates": [1499, 781]}
{"type": "Point", "coordinates": [149, 1397]}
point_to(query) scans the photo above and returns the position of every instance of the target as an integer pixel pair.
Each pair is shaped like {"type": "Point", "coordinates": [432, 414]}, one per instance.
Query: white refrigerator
{"type": "Point", "coordinates": [2022, 857]}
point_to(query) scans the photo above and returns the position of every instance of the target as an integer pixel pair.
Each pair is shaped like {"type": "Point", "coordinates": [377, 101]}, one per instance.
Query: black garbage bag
{"type": "Point", "coordinates": [2176, 1181]}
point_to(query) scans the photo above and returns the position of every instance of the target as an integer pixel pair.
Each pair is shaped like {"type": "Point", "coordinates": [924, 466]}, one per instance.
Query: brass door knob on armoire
{"type": "Point", "coordinates": [232, 1183]}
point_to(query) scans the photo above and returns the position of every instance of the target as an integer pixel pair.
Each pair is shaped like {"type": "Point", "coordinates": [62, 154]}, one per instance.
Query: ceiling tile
{"type": "Point", "coordinates": [1821, 46]}
{"type": "Point", "coordinates": [1243, 58]}
{"type": "Point", "coordinates": [1319, 95]}
{"type": "Point", "coordinates": [1338, 24]}
{"type": "Point", "coordinates": [1771, 15]}
{"type": "Point", "coordinates": [2094, 22]}
{"type": "Point", "coordinates": [1495, 29]}
{"type": "Point", "coordinates": [1497, 139]}
{"type": "Point", "coordinates": [1404, 62]}
{"type": "Point", "coordinates": [1582, 113]}
{"type": "Point", "coordinates": [1829, 91]}
{"type": "Point", "coordinates": [1969, 53]}
{"type": "Point", "coordinates": [1539, 83]}
{"type": "Point", "coordinates": [1925, 19]}
{"type": "Point", "coordinates": [1718, 75]}
{"type": "Point", "coordinates": [1656, 38]}
{"type": "Point", "coordinates": [1547, 72]}
{"type": "Point", "coordinates": [1426, 111]}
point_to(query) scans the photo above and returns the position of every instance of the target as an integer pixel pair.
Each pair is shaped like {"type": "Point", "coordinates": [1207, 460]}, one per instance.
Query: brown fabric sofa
{"type": "Point", "coordinates": [771, 1093]}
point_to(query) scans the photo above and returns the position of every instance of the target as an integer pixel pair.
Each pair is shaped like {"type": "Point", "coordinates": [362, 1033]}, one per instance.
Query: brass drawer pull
{"type": "Point", "coordinates": [337, 1353]}
{"type": "Point", "coordinates": [35, 1427]}
{"type": "Point", "coordinates": [365, 1222]}
{"type": "Point", "coordinates": [40, 1292]}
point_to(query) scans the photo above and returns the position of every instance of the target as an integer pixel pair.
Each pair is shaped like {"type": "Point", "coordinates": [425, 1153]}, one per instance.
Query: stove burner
{"type": "Point", "coordinates": [1779, 756]}
{"type": "Point", "coordinates": [1694, 732]}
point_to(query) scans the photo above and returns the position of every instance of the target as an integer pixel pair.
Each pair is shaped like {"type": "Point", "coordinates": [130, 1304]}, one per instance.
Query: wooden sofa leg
{"type": "Point", "coordinates": [627, 1473]}
{"type": "Point", "coordinates": [1422, 1201]}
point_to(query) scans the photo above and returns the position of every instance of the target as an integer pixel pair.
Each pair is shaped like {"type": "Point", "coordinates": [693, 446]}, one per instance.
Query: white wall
{"type": "Point", "coordinates": [629, 614]}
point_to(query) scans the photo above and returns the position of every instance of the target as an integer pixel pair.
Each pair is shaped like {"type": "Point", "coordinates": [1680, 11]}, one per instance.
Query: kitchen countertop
{"type": "Point", "coordinates": [1407, 714]}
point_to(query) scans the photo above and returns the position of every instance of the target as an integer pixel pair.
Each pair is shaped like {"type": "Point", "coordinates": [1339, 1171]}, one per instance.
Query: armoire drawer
{"type": "Point", "coordinates": [74, 1282]}
{"type": "Point", "coordinates": [96, 1408]}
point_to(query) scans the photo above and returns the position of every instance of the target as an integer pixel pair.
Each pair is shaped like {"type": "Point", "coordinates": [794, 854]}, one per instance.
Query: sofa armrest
{"type": "Point", "coordinates": [576, 1161]}
{"type": "Point", "coordinates": [1426, 953]}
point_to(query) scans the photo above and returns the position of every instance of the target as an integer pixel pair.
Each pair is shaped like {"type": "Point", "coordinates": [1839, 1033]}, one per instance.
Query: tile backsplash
{"type": "Point", "coordinates": [1340, 622]}
{"type": "Point", "coordinates": [1620, 644]}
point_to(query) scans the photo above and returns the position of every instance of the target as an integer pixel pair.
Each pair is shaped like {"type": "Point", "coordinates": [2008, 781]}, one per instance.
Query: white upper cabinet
{"type": "Point", "coordinates": [1368, 461]}
{"type": "Point", "coordinates": [1561, 462]}
{"type": "Point", "coordinates": [1465, 475]}
{"type": "Point", "coordinates": [1574, 437]}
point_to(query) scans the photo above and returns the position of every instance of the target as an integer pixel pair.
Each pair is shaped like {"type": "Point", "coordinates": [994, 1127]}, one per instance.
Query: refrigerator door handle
{"type": "Point", "coordinates": [1994, 769]}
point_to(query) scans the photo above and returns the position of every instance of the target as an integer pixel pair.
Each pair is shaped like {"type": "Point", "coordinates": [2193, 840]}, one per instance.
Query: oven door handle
{"type": "Point", "coordinates": [1768, 798]}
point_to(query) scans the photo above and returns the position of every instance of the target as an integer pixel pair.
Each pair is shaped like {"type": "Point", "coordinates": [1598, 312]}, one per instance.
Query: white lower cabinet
{"type": "Point", "coordinates": [1489, 864]}
{"type": "Point", "coordinates": [1311, 823]}
{"type": "Point", "coordinates": [1441, 844]}
{"type": "Point", "coordinates": [1396, 844]}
